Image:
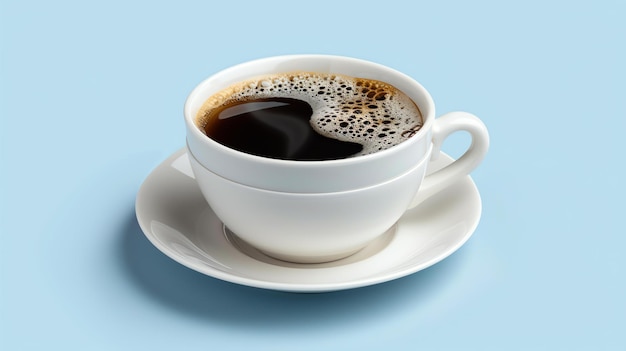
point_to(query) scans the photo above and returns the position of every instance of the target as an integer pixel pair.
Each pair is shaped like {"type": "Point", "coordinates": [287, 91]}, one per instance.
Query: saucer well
{"type": "Point", "coordinates": [176, 219]}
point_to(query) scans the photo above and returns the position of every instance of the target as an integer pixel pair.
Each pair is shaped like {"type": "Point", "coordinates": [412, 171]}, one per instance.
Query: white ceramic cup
{"type": "Point", "coordinates": [316, 211]}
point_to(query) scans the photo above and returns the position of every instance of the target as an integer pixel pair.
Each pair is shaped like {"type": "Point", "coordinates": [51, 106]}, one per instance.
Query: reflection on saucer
{"type": "Point", "coordinates": [372, 248]}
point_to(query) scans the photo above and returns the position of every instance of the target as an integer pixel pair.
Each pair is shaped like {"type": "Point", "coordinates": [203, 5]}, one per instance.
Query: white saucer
{"type": "Point", "coordinates": [177, 220]}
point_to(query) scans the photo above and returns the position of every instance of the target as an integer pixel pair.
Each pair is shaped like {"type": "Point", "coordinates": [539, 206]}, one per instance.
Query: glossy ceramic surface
{"type": "Point", "coordinates": [176, 218]}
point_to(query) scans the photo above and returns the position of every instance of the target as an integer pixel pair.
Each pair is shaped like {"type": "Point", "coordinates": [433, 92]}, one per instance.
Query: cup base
{"type": "Point", "coordinates": [255, 252]}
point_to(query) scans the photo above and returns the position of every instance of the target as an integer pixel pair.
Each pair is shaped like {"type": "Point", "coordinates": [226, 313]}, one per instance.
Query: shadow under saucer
{"type": "Point", "coordinates": [192, 294]}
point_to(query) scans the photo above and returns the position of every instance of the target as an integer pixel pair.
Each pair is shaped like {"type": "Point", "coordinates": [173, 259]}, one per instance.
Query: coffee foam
{"type": "Point", "coordinates": [369, 112]}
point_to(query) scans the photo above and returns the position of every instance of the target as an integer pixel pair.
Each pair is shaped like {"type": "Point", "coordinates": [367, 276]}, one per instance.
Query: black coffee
{"type": "Point", "coordinates": [309, 116]}
{"type": "Point", "coordinates": [275, 128]}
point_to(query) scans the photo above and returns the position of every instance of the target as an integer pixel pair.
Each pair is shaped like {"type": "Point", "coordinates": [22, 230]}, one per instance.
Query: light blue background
{"type": "Point", "coordinates": [91, 97]}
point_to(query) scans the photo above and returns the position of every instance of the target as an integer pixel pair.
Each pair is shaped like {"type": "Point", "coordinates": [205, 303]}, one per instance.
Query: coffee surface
{"type": "Point", "coordinates": [309, 116]}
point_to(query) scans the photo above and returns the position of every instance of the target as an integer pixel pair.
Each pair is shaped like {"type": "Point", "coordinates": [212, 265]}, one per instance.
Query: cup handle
{"type": "Point", "coordinates": [443, 178]}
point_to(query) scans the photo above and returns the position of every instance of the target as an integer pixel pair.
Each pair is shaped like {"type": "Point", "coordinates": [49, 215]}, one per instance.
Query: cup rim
{"type": "Point", "coordinates": [190, 116]}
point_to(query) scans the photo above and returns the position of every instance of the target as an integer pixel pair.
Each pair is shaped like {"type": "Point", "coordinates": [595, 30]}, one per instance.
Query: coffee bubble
{"type": "Point", "coordinates": [369, 112]}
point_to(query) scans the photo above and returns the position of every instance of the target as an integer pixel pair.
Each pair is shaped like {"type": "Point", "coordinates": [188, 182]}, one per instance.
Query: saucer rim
{"type": "Point", "coordinates": [295, 287]}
